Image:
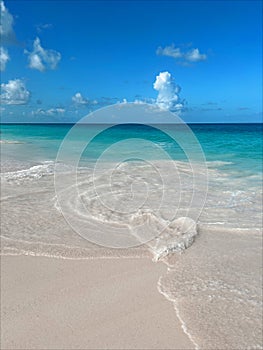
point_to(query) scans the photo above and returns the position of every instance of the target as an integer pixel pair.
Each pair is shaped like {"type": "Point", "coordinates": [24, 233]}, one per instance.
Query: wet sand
{"type": "Point", "coordinates": [86, 304]}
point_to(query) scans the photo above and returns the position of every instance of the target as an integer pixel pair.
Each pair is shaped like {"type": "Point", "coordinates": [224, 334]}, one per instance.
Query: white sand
{"type": "Point", "coordinates": [86, 304]}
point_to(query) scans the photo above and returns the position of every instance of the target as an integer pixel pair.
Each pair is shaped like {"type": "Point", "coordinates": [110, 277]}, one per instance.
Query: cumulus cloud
{"type": "Point", "coordinates": [6, 27]}
{"type": "Point", "coordinates": [42, 59]}
{"type": "Point", "coordinates": [14, 93]}
{"type": "Point", "coordinates": [168, 92]}
{"type": "Point", "coordinates": [78, 99]}
{"type": "Point", "coordinates": [192, 55]}
{"type": "Point", "coordinates": [168, 96]}
{"type": "Point", "coordinates": [4, 58]}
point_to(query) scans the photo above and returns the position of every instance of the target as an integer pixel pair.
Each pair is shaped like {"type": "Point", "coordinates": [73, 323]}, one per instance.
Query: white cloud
{"type": "Point", "coordinates": [14, 93]}
{"type": "Point", "coordinates": [78, 99]}
{"type": "Point", "coordinates": [139, 102]}
{"type": "Point", "coordinates": [195, 56]}
{"type": "Point", "coordinates": [4, 58]}
{"type": "Point", "coordinates": [192, 55]}
{"type": "Point", "coordinates": [36, 63]}
{"type": "Point", "coordinates": [6, 27]}
{"type": "Point", "coordinates": [42, 59]}
{"type": "Point", "coordinates": [171, 51]}
{"type": "Point", "coordinates": [54, 111]}
{"type": "Point", "coordinates": [168, 96]}
{"type": "Point", "coordinates": [50, 112]}
{"type": "Point", "coordinates": [168, 92]}
{"type": "Point", "coordinates": [144, 100]}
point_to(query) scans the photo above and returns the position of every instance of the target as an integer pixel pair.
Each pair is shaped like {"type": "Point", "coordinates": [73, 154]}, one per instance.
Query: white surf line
{"type": "Point", "coordinates": [58, 257]}
{"type": "Point", "coordinates": [183, 325]}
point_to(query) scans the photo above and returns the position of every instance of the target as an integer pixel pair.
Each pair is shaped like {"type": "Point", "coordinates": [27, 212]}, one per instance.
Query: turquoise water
{"type": "Point", "coordinates": [238, 146]}
{"type": "Point", "coordinates": [49, 209]}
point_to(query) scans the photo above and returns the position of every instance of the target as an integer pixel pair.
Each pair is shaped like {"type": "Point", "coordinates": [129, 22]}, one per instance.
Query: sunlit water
{"type": "Point", "coordinates": [138, 192]}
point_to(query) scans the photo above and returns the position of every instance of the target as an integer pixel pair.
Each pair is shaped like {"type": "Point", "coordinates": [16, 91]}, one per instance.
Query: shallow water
{"type": "Point", "coordinates": [138, 206]}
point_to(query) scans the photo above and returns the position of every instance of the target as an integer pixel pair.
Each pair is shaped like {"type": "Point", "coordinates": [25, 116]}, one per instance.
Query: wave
{"type": "Point", "coordinates": [134, 205]}
{"type": "Point", "coordinates": [218, 163]}
{"type": "Point", "coordinates": [177, 237]}
{"type": "Point", "coordinates": [11, 142]}
{"type": "Point", "coordinates": [11, 246]}
{"type": "Point", "coordinates": [35, 171]}
{"type": "Point", "coordinates": [172, 299]}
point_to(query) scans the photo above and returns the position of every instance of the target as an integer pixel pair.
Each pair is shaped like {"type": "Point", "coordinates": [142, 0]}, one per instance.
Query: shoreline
{"type": "Point", "coordinates": [93, 304]}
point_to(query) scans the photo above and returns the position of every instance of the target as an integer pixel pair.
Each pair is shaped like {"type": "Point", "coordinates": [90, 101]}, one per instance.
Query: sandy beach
{"type": "Point", "coordinates": [86, 304]}
{"type": "Point", "coordinates": [64, 286]}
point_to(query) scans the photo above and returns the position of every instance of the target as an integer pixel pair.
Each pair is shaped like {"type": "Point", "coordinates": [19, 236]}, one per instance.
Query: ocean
{"type": "Point", "coordinates": [187, 197]}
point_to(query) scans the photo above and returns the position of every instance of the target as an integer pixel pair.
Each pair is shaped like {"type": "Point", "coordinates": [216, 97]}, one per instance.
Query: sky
{"type": "Point", "coordinates": [61, 60]}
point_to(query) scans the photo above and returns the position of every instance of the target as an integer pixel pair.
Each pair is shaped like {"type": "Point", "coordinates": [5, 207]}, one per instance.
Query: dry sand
{"type": "Point", "coordinates": [86, 304]}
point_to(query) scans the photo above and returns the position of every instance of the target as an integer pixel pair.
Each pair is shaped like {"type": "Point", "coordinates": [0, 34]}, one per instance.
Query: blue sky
{"type": "Point", "coordinates": [62, 59]}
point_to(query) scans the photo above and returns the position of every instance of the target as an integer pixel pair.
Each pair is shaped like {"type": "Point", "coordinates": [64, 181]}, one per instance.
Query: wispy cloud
{"type": "Point", "coordinates": [49, 112]}
{"type": "Point", "coordinates": [41, 27]}
{"type": "Point", "coordinates": [143, 100]}
{"type": "Point", "coordinates": [14, 93]}
{"type": "Point", "coordinates": [6, 27]}
{"type": "Point", "coordinates": [182, 57]}
{"type": "Point", "coordinates": [42, 59]}
{"type": "Point", "coordinates": [105, 101]}
{"type": "Point", "coordinates": [243, 108]}
{"type": "Point", "coordinates": [170, 51]}
{"type": "Point", "coordinates": [210, 109]}
{"type": "Point", "coordinates": [4, 58]}
{"type": "Point", "coordinates": [168, 92]}
{"type": "Point", "coordinates": [210, 103]}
